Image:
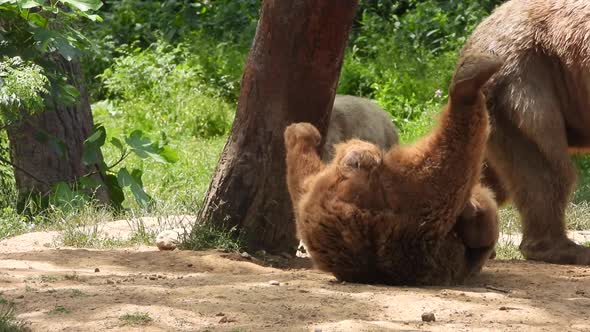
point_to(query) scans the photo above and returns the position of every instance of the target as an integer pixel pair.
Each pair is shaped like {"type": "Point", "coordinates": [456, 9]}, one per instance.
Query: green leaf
{"type": "Point", "coordinates": [91, 155]}
{"type": "Point", "coordinates": [63, 193]}
{"type": "Point", "coordinates": [84, 5]}
{"type": "Point", "coordinates": [115, 191]}
{"type": "Point", "coordinates": [37, 19]}
{"type": "Point", "coordinates": [92, 17]}
{"type": "Point", "coordinates": [63, 196]}
{"type": "Point", "coordinates": [45, 37]}
{"type": "Point", "coordinates": [67, 50]}
{"type": "Point", "coordinates": [169, 154]}
{"type": "Point", "coordinates": [71, 90]}
{"type": "Point", "coordinates": [26, 4]}
{"type": "Point", "coordinates": [89, 183]}
{"type": "Point", "coordinates": [126, 179]}
{"type": "Point", "coordinates": [144, 147]}
{"type": "Point", "coordinates": [98, 136]}
{"type": "Point", "coordinates": [118, 144]}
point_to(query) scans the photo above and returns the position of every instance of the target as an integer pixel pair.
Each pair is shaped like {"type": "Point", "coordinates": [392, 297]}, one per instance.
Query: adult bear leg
{"type": "Point", "coordinates": [491, 179]}
{"type": "Point", "coordinates": [530, 155]}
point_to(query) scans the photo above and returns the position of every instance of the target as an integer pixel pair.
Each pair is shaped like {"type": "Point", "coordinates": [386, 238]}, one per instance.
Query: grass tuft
{"type": "Point", "coordinates": [508, 252]}
{"type": "Point", "coordinates": [8, 321]}
{"type": "Point", "coordinates": [136, 318]}
{"type": "Point", "coordinates": [207, 236]}
{"type": "Point", "coordinates": [59, 310]}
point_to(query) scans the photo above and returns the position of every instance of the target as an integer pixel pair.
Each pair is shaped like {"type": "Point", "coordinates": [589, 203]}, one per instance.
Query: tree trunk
{"type": "Point", "coordinates": [33, 141]}
{"type": "Point", "coordinates": [291, 76]}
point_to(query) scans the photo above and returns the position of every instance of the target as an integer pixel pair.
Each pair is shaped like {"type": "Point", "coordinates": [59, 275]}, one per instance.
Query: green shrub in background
{"type": "Point", "coordinates": [143, 23]}
{"type": "Point", "coordinates": [172, 68]}
{"type": "Point", "coordinates": [164, 90]}
{"type": "Point", "coordinates": [402, 54]}
{"type": "Point", "coordinates": [582, 193]}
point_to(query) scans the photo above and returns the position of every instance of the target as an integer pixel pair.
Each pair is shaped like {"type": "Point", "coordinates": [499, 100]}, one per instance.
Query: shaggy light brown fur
{"type": "Point", "coordinates": [412, 215]}
{"type": "Point", "coordinates": [355, 117]}
{"type": "Point", "coordinates": [539, 104]}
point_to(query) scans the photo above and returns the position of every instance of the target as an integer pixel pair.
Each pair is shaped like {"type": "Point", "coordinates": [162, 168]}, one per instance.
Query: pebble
{"type": "Point", "coordinates": [428, 317]}
{"type": "Point", "coordinates": [97, 270]}
{"type": "Point", "coordinates": [246, 255]}
{"type": "Point", "coordinates": [274, 283]}
{"type": "Point", "coordinates": [167, 240]}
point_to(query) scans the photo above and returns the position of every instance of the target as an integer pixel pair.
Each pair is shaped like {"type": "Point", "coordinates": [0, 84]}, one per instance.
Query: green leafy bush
{"type": "Point", "coordinates": [221, 24]}
{"type": "Point", "coordinates": [164, 91]}
{"type": "Point", "coordinates": [403, 53]}
{"type": "Point", "coordinates": [22, 86]}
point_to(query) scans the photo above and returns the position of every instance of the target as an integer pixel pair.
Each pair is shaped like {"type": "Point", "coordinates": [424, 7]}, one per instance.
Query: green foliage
{"type": "Point", "coordinates": [177, 187]}
{"type": "Point", "coordinates": [32, 32]}
{"type": "Point", "coordinates": [7, 190]}
{"type": "Point", "coordinates": [11, 223]}
{"type": "Point", "coordinates": [172, 69]}
{"type": "Point", "coordinates": [583, 192]}
{"type": "Point", "coordinates": [22, 87]}
{"type": "Point", "coordinates": [74, 195]}
{"type": "Point", "coordinates": [35, 28]}
{"type": "Point", "coordinates": [403, 53]}
{"type": "Point", "coordinates": [167, 91]}
{"type": "Point", "coordinates": [508, 252]}
{"type": "Point", "coordinates": [228, 24]}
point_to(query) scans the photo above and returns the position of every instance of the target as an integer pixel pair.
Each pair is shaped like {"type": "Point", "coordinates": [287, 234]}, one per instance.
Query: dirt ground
{"type": "Point", "coordinates": [70, 289]}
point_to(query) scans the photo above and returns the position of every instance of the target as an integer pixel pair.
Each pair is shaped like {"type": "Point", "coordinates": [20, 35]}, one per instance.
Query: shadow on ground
{"type": "Point", "coordinates": [216, 291]}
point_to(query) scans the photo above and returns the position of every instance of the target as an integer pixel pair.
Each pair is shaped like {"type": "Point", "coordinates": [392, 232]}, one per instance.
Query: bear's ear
{"type": "Point", "coordinates": [472, 72]}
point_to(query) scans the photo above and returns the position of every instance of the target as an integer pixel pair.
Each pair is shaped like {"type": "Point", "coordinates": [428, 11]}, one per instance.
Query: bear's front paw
{"type": "Point", "coordinates": [302, 133]}
{"type": "Point", "coordinates": [361, 155]}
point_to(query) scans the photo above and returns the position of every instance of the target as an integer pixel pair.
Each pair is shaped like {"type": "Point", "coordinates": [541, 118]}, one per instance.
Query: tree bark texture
{"type": "Point", "coordinates": [38, 164]}
{"type": "Point", "coordinates": [291, 76]}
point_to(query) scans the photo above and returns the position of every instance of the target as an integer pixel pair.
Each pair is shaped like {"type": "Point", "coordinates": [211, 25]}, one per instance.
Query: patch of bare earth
{"type": "Point", "coordinates": [70, 289]}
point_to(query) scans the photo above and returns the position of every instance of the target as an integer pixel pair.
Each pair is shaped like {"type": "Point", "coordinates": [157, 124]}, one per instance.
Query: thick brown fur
{"type": "Point", "coordinates": [356, 117]}
{"type": "Point", "coordinates": [539, 104]}
{"type": "Point", "coordinates": [412, 215]}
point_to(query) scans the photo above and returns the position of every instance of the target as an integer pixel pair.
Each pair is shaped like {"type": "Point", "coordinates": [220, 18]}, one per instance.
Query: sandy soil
{"type": "Point", "coordinates": [69, 289]}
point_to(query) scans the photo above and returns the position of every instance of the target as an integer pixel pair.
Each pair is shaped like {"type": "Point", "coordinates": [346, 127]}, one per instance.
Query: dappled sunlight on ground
{"type": "Point", "coordinates": [71, 289]}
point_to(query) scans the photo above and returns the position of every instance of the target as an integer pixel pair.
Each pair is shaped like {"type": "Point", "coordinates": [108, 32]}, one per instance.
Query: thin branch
{"type": "Point", "coordinates": [123, 157]}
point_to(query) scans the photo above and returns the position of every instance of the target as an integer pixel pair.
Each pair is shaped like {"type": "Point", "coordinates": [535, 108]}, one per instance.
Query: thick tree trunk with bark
{"type": "Point", "coordinates": [38, 162]}
{"type": "Point", "coordinates": [291, 76]}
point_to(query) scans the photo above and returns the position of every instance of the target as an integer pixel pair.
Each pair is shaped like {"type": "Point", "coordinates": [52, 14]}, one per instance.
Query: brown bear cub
{"type": "Point", "coordinates": [414, 215]}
